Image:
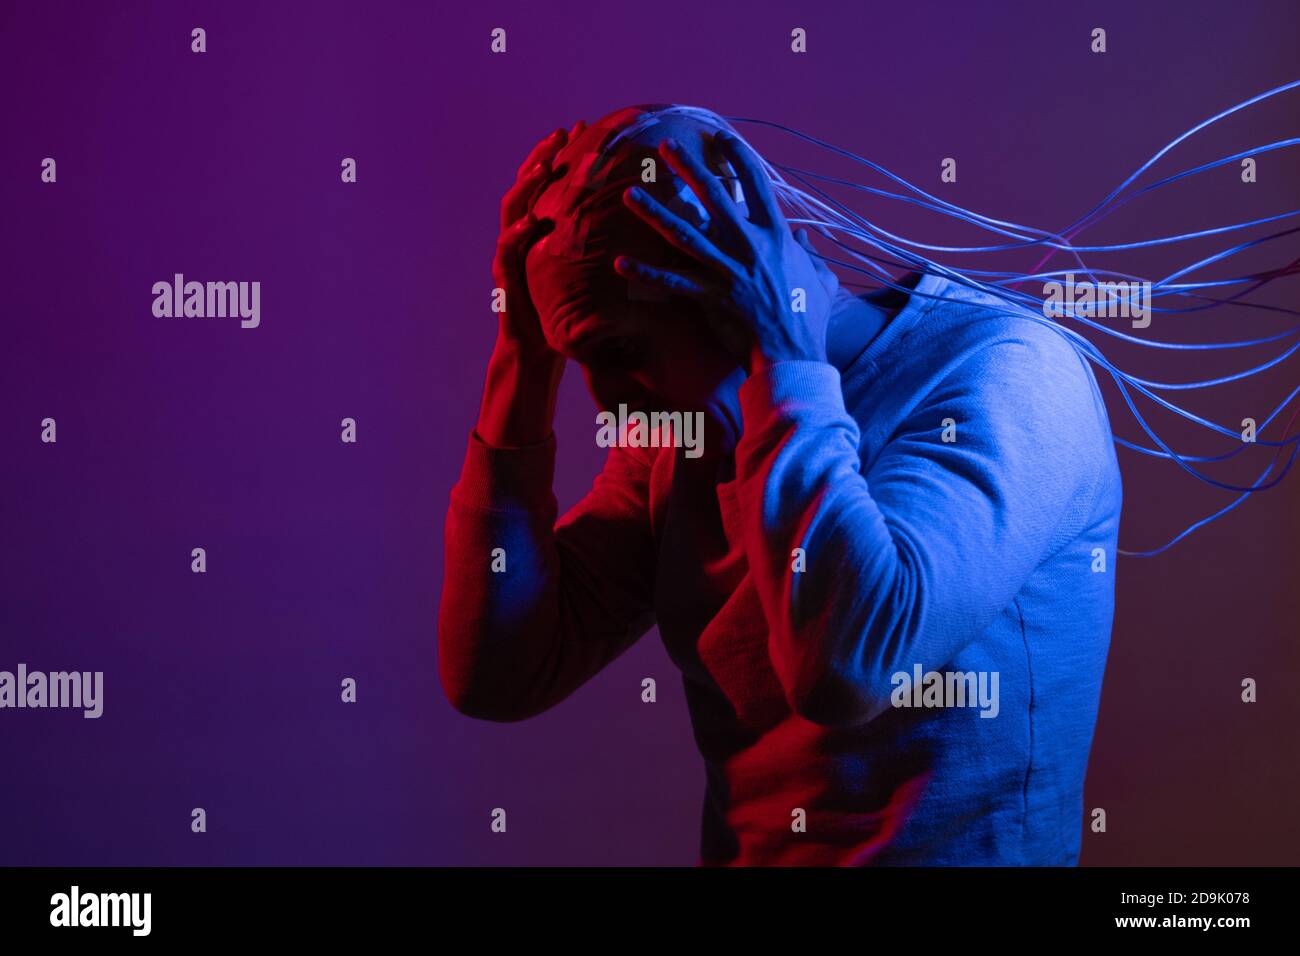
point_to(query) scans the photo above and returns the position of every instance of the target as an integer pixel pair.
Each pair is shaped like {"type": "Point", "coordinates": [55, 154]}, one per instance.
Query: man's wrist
{"type": "Point", "coordinates": [519, 396]}
{"type": "Point", "coordinates": [528, 357]}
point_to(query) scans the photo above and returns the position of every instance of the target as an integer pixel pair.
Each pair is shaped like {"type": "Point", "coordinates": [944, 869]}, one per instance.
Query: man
{"type": "Point", "coordinates": [887, 580]}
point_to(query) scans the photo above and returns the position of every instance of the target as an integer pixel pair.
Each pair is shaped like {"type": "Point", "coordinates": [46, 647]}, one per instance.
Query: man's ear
{"type": "Point", "coordinates": [829, 279]}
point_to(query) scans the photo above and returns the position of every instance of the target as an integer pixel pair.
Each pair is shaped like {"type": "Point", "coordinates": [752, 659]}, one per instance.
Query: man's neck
{"type": "Point", "coordinates": [854, 323]}
{"type": "Point", "coordinates": [856, 320]}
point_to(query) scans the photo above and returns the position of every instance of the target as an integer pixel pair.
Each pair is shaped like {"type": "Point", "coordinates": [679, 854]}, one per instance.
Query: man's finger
{"type": "Point", "coordinates": [546, 149]}
{"type": "Point", "coordinates": [763, 210]}
{"type": "Point", "coordinates": [519, 199]}
{"type": "Point", "coordinates": [704, 183]}
{"type": "Point", "coordinates": [677, 231]}
{"type": "Point", "coordinates": [678, 283]}
{"type": "Point", "coordinates": [515, 241]}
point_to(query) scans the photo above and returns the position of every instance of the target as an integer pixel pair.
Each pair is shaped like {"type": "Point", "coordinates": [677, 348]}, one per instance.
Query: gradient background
{"type": "Point", "coordinates": [324, 559]}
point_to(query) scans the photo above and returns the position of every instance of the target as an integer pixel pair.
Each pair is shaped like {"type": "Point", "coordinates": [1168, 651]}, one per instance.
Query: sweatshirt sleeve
{"type": "Point", "coordinates": [912, 558]}
{"type": "Point", "coordinates": [531, 608]}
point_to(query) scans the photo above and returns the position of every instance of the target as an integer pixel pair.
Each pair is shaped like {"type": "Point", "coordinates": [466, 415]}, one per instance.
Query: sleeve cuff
{"type": "Point", "coordinates": [505, 478]}
{"type": "Point", "coordinates": [803, 391]}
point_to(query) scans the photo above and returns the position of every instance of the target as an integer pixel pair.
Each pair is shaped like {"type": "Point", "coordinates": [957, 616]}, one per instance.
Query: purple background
{"type": "Point", "coordinates": [324, 559]}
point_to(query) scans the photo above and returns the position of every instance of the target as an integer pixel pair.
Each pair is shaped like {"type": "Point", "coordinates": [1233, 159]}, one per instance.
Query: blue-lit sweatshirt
{"type": "Point", "coordinates": [946, 508]}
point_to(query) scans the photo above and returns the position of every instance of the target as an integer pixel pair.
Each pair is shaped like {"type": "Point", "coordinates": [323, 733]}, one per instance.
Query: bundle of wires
{"type": "Point", "coordinates": [865, 248]}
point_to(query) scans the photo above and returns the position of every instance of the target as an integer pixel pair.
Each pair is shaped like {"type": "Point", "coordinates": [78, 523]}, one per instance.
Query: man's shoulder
{"type": "Point", "coordinates": [980, 318]}
{"type": "Point", "coordinates": [1027, 377]}
{"type": "Point", "coordinates": [971, 335]}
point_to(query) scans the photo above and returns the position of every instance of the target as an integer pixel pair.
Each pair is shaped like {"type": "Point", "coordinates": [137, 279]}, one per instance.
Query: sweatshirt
{"type": "Point", "coordinates": [891, 610]}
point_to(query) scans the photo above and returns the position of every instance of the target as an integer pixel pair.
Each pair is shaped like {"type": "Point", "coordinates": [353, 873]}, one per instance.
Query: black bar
{"type": "Point", "coordinates": [243, 905]}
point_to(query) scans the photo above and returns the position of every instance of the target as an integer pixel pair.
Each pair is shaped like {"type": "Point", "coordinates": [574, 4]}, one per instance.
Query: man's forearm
{"type": "Point", "coordinates": [519, 394]}
{"type": "Point", "coordinates": [531, 608]}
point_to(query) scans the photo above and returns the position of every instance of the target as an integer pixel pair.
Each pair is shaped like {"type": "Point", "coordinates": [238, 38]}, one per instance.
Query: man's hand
{"type": "Point", "coordinates": [752, 270]}
{"type": "Point", "coordinates": [523, 375]}
{"type": "Point", "coordinates": [520, 325]}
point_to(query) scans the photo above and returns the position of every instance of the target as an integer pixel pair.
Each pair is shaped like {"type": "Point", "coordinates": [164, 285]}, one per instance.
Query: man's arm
{"type": "Point", "coordinates": [530, 609]}
{"type": "Point", "coordinates": [913, 560]}
{"type": "Point", "coordinates": [565, 598]}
